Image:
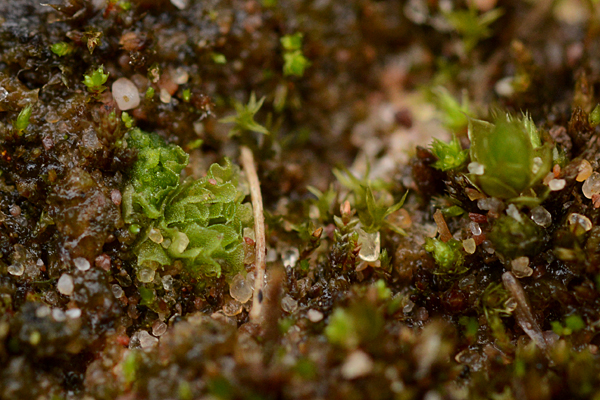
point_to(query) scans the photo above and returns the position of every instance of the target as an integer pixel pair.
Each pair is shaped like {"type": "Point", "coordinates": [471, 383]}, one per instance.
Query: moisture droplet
{"type": "Point", "coordinates": [81, 264]}
{"type": "Point", "coordinates": [146, 275]}
{"type": "Point", "coordinates": [520, 267]}
{"type": "Point", "coordinates": [591, 186]}
{"type": "Point", "coordinates": [159, 328]}
{"type": "Point", "coordinates": [469, 245]}
{"type": "Point", "coordinates": [583, 221]}
{"type": "Point", "coordinates": [65, 285]}
{"type": "Point", "coordinates": [585, 170]}
{"type": "Point", "coordinates": [557, 184]}
{"type": "Point", "coordinates": [117, 291]}
{"type": "Point", "coordinates": [370, 245]}
{"type": "Point", "coordinates": [240, 289]}
{"type": "Point", "coordinates": [155, 236]}
{"type": "Point", "coordinates": [288, 304]}
{"type": "Point", "coordinates": [16, 269]}
{"type": "Point", "coordinates": [541, 216]}
{"type": "Point", "coordinates": [475, 168]}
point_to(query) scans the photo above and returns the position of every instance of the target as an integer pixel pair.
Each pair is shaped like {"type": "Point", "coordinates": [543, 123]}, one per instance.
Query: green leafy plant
{"type": "Point", "coordinates": [450, 155]}
{"type": "Point", "coordinates": [196, 221]}
{"type": "Point", "coordinates": [372, 212]}
{"type": "Point", "coordinates": [508, 157]}
{"type": "Point", "coordinates": [95, 81]}
{"type": "Point", "coordinates": [295, 63]}
{"type": "Point", "coordinates": [454, 115]}
{"type": "Point", "coordinates": [244, 117]}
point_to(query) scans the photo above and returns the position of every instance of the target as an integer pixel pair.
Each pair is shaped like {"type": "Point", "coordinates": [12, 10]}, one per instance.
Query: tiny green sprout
{"type": "Point", "coordinates": [508, 157]}
{"type": "Point", "coordinates": [218, 58]}
{"type": "Point", "coordinates": [473, 27]}
{"type": "Point", "coordinates": [127, 120]}
{"type": "Point", "coordinates": [454, 115]}
{"type": "Point", "coordinates": [134, 229]}
{"type": "Point", "coordinates": [22, 121]}
{"type": "Point", "coordinates": [194, 144]}
{"type": "Point", "coordinates": [186, 95]}
{"type": "Point", "coordinates": [125, 5]}
{"type": "Point", "coordinates": [269, 3]}
{"type": "Point", "coordinates": [244, 119]}
{"type": "Point", "coordinates": [594, 117]}
{"type": "Point", "coordinates": [95, 80]}
{"type": "Point", "coordinates": [452, 211]}
{"type": "Point", "coordinates": [62, 48]}
{"type": "Point", "coordinates": [450, 155]}
{"type": "Point", "coordinates": [149, 93]}
{"type": "Point", "coordinates": [448, 255]}
{"type": "Point", "coordinates": [294, 61]}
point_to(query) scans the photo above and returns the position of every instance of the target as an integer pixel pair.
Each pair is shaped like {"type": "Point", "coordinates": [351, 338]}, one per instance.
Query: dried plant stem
{"type": "Point", "coordinates": [247, 160]}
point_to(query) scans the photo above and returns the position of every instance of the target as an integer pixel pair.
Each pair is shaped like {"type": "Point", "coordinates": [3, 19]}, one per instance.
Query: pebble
{"type": "Point", "coordinates": [73, 313]}
{"type": "Point", "coordinates": [357, 364]}
{"type": "Point", "coordinates": [167, 282]}
{"type": "Point", "coordinates": [65, 285]}
{"type": "Point", "coordinates": [541, 216]}
{"type": "Point", "coordinates": [557, 184]}
{"type": "Point", "coordinates": [314, 315]}
{"type": "Point", "coordinates": [591, 186]}
{"type": "Point", "coordinates": [155, 235]}
{"type": "Point", "coordinates": [469, 245]}
{"type": "Point", "coordinates": [475, 168]}
{"type": "Point", "coordinates": [370, 245]}
{"type": "Point", "coordinates": [16, 269]}
{"type": "Point", "coordinates": [159, 328]}
{"type": "Point", "coordinates": [81, 264]}
{"type": "Point", "coordinates": [117, 291]}
{"type": "Point", "coordinates": [513, 212]}
{"type": "Point", "coordinates": [125, 94]}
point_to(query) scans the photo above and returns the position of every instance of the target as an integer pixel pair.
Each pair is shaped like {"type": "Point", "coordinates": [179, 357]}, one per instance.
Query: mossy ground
{"type": "Point", "coordinates": [378, 78]}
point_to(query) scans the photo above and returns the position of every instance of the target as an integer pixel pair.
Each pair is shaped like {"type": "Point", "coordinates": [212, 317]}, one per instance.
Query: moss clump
{"type": "Point", "coordinates": [197, 221]}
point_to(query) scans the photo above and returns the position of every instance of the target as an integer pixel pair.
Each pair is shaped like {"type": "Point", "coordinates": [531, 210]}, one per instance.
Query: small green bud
{"type": "Point", "coordinates": [95, 80]}
{"type": "Point", "coordinates": [149, 93]}
{"type": "Point", "coordinates": [22, 121]}
{"type": "Point", "coordinates": [450, 155]}
{"type": "Point", "coordinates": [594, 117]}
{"type": "Point", "coordinates": [218, 58]}
{"type": "Point", "coordinates": [187, 94]}
{"type": "Point", "coordinates": [448, 255]}
{"type": "Point", "coordinates": [127, 120]}
{"type": "Point", "coordinates": [61, 48]}
{"type": "Point", "coordinates": [292, 42]}
{"type": "Point", "coordinates": [134, 229]}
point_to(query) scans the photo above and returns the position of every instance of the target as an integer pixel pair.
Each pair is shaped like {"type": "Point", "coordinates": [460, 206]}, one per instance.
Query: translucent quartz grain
{"type": "Point", "coordinates": [583, 221]}
{"type": "Point", "coordinates": [585, 171]}
{"type": "Point", "coordinates": [146, 340]}
{"type": "Point", "coordinates": [117, 291]}
{"type": "Point", "coordinates": [370, 245]}
{"type": "Point", "coordinates": [541, 216]}
{"type": "Point", "coordinates": [65, 285]}
{"type": "Point", "coordinates": [591, 186]}
{"type": "Point", "coordinates": [314, 315]}
{"type": "Point", "coordinates": [288, 304]}
{"type": "Point", "coordinates": [513, 212]}
{"type": "Point", "coordinates": [167, 282]}
{"type": "Point", "coordinates": [159, 328]}
{"type": "Point", "coordinates": [146, 275]}
{"type": "Point", "coordinates": [155, 235]}
{"type": "Point", "coordinates": [240, 289]}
